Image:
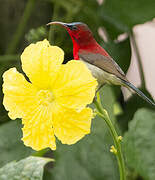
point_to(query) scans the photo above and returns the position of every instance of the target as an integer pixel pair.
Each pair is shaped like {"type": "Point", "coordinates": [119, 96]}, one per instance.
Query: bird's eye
{"type": "Point", "coordinates": [72, 27]}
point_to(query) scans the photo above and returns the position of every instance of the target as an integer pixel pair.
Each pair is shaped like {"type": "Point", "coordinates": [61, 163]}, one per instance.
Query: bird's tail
{"type": "Point", "coordinates": [140, 93]}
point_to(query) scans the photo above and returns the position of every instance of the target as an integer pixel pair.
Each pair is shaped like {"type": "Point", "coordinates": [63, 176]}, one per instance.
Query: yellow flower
{"type": "Point", "coordinates": [54, 101]}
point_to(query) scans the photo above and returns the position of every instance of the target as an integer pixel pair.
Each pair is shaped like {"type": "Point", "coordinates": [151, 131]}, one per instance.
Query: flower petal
{"type": "Point", "coordinates": [40, 62]}
{"type": "Point", "coordinates": [70, 126]}
{"type": "Point", "coordinates": [37, 131]}
{"type": "Point", "coordinates": [75, 86]}
{"type": "Point", "coordinates": [18, 94]}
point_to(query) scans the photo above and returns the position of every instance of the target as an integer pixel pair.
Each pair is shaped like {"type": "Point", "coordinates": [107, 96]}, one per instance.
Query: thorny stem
{"type": "Point", "coordinates": [21, 27]}
{"type": "Point", "coordinates": [135, 47]}
{"type": "Point", "coordinates": [104, 115]}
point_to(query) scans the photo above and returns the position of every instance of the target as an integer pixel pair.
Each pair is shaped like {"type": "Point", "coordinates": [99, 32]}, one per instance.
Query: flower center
{"type": "Point", "coordinates": [45, 97]}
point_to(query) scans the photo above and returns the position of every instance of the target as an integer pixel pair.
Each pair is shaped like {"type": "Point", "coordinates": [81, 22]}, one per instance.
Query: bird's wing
{"type": "Point", "coordinates": [109, 65]}
{"type": "Point", "coordinates": [105, 63]}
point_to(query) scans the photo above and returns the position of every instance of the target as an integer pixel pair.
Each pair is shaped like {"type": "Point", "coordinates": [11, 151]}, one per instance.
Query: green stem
{"type": "Point", "coordinates": [21, 27]}
{"type": "Point", "coordinates": [135, 47]}
{"type": "Point", "coordinates": [41, 152]}
{"type": "Point", "coordinates": [104, 115]}
{"type": "Point", "coordinates": [54, 17]}
{"type": "Point", "coordinates": [98, 97]}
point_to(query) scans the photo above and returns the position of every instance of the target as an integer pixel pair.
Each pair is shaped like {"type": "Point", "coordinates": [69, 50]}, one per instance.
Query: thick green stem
{"type": "Point", "coordinates": [135, 47]}
{"type": "Point", "coordinates": [21, 27]}
{"type": "Point", "coordinates": [104, 115]}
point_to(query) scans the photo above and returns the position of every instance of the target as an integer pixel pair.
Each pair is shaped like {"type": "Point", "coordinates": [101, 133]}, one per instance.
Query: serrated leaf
{"type": "Point", "coordinates": [11, 146]}
{"type": "Point", "coordinates": [139, 144]}
{"type": "Point", "coordinates": [30, 168]}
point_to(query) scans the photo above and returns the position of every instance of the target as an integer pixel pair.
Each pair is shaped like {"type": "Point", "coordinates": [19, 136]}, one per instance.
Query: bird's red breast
{"type": "Point", "coordinates": [92, 47]}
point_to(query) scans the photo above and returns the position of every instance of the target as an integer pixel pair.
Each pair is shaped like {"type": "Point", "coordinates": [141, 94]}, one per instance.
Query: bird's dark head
{"type": "Point", "coordinates": [79, 32]}
{"type": "Point", "coordinates": [81, 35]}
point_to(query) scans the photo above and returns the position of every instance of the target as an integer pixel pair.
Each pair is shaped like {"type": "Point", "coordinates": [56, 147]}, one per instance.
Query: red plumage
{"type": "Point", "coordinates": [102, 66]}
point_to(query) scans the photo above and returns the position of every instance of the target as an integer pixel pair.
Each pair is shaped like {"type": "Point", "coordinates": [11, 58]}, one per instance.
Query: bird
{"type": "Point", "coordinates": [99, 62]}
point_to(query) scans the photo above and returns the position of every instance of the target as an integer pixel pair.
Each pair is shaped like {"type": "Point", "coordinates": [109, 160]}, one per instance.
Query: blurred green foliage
{"type": "Point", "coordinates": [139, 143]}
{"type": "Point", "coordinates": [23, 22]}
{"type": "Point", "coordinates": [11, 146]}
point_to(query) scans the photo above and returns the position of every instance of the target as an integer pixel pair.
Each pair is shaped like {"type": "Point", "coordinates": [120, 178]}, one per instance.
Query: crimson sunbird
{"type": "Point", "coordinates": [101, 64]}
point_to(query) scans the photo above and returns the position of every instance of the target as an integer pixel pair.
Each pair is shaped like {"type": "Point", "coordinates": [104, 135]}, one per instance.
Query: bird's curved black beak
{"type": "Point", "coordinates": [71, 26]}
{"type": "Point", "coordinates": [58, 23]}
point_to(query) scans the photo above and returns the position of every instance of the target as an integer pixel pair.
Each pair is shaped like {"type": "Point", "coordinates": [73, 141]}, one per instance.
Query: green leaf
{"type": "Point", "coordinates": [121, 16]}
{"type": "Point", "coordinates": [90, 158]}
{"type": "Point", "coordinates": [139, 143]}
{"type": "Point", "coordinates": [30, 168]}
{"type": "Point", "coordinates": [11, 146]}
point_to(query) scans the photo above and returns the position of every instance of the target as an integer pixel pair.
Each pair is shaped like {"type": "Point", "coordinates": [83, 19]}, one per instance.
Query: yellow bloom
{"type": "Point", "coordinates": [54, 101]}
